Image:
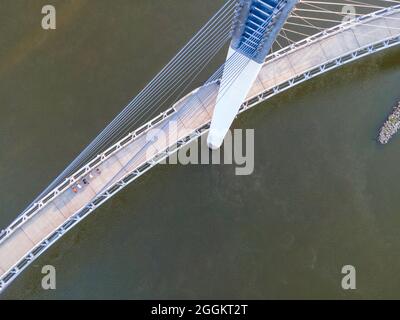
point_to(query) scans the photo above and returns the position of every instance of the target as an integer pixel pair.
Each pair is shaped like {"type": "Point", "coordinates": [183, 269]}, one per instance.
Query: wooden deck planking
{"type": "Point", "coordinates": [14, 248]}
{"type": "Point", "coordinates": [60, 204]}
{"type": "Point", "coordinates": [339, 45]}
{"type": "Point", "coordinates": [49, 220]}
{"type": "Point", "coordinates": [367, 34]}
{"type": "Point", "coordinates": [276, 72]}
{"type": "Point", "coordinates": [392, 23]}
{"type": "Point", "coordinates": [142, 150]}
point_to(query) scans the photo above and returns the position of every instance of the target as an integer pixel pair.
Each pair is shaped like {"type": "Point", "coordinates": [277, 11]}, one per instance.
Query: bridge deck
{"type": "Point", "coordinates": [192, 112]}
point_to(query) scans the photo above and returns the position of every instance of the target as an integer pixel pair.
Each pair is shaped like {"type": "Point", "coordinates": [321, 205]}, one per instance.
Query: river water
{"type": "Point", "coordinates": [323, 193]}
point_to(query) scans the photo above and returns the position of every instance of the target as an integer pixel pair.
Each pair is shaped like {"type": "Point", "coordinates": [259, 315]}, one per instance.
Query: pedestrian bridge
{"type": "Point", "coordinates": [46, 220]}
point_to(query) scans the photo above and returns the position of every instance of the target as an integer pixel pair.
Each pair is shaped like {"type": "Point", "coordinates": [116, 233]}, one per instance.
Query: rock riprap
{"type": "Point", "coordinates": [391, 125]}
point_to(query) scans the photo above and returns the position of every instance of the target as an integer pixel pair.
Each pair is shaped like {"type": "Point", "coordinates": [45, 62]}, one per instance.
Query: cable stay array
{"type": "Point", "coordinates": [308, 18]}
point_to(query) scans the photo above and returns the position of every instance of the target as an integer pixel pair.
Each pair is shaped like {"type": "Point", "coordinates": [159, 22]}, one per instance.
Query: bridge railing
{"type": "Point", "coordinates": [129, 177]}
{"type": "Point", "coordinates": [99, 159]}
{"type": "Point", "coordinates": [86, 169]}
{"type": "Point", "coordinates": [320, 69]}
{"type": "Point", "coordinates": [81, 173]}
{"type": "Point", "coordinates": [331, 31]}
{"type": "Point", "coordinates": [345, 57]}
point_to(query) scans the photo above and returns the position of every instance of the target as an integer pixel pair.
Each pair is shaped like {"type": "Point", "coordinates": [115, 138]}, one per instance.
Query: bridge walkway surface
{"type": "Point", "coordinates": [46, 221]}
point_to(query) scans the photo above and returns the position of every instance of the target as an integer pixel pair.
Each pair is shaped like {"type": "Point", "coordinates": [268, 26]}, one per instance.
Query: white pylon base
{"type": "Point", "coordinates": [234, 88]}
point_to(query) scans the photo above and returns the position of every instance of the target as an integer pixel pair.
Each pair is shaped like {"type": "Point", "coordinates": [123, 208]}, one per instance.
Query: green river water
{"type": "Point", "coordinates": [323, 193]}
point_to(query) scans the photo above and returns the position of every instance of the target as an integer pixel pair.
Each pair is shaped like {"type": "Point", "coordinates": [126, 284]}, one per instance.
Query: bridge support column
{"type": "Point", "coordinates": [231, 95]}
{"type": "Point", "coordinates": [256, 28]}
